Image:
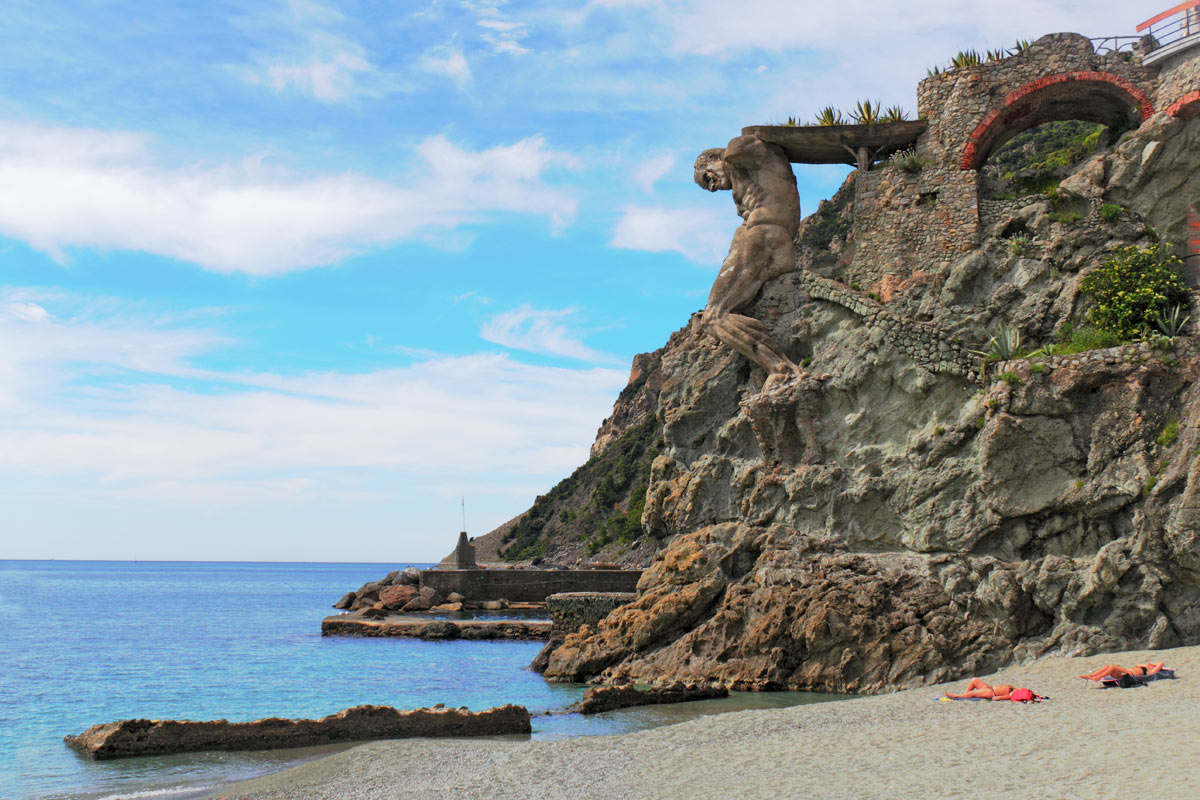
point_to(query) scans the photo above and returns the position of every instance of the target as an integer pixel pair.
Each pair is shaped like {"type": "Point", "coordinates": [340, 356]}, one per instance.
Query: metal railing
{"type": "Point", "coordinates": [1173, 25]}
{"type": "Point", "coordinates": [1115, 44]}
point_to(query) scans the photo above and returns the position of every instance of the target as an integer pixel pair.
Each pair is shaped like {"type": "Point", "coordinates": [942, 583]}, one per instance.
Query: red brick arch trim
{"type": "Point", "coordinates": [1186, 107]}
{"type": "Point", "coordinates": [1144, 104]}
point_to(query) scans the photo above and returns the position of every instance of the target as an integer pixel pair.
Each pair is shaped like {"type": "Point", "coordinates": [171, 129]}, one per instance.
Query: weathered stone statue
{"type": "Point", "coordinates": [764, 189]}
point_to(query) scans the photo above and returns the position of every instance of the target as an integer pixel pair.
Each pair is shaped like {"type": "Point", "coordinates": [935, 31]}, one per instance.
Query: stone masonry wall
{"type": "Point", "coordinates": [570, 611]}
{"type": "Point", "coordinates": [1179, 88]}
{"type": "Point", "coordinates": [958, 101]}
{"type": "Point", "coordinates": [908, 220]}
{"type": "Point", "coordinates": [1133, 352]}
{"type": "Point", "coordinates": [928, 347]}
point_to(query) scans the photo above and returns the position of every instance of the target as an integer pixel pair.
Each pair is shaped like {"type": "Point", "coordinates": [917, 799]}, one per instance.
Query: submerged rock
{"type": "Point", "coordinates": [142, 737]}
{"type": "Point", "coordinates": [599, 699]}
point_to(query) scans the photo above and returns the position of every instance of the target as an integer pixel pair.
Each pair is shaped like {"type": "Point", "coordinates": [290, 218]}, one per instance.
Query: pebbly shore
{"type": "Point", "coordinates": [1085, 741]}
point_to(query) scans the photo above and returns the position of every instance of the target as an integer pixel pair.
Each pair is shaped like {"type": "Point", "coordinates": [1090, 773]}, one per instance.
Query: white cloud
{"type": "Point", "coordinates": [174, 430]}
{"type": "Point", "coordinates": [26, 312]}
{"type": "Point", "coordinates": [448, 60]}
{"type": "Point", "coordinates": [538, 331]}
{"type": "Point", "coordinates": [304, 51]}
{"type": "Point", "coordinates": [62, 188]}
{"type": "Point", "coordinates": [330, 79]}
{"type": "Point", "coordinates": [647, 173]}
{"type": "Point", "coordinates": [699, 234]}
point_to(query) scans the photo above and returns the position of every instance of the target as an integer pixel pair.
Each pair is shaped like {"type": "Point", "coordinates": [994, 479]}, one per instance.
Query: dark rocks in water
{"type": "Point", "coordinates": [542, 660]}
{"type": "Point", "coordinates": [347, 601]}
{"type": "Point", "coordinates": [142, 737]}
{"type": "Point", "coordinates": [599, 699]}
{"type": "Point", "coordinates": [440, 629]}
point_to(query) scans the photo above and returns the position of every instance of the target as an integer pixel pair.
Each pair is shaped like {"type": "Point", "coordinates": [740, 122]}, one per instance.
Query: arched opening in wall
{"type": "Point", "coordinates": [1038, 159]}
{"type": "Point", "coordinates": [1093, 97]}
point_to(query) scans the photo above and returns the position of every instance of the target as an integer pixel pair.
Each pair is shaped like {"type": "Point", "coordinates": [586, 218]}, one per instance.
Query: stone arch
{"type": "Point", "coordinates": [1185, 107]}
{"type": "Point", "coordinates": [1089, 96]}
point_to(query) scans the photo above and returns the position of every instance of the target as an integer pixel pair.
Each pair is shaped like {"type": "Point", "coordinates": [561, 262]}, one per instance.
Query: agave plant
{"type": "Point", "coordinates": [894, 114]}
{"type": "Point", "coordinates": [1004, 344]}
{"type": "Point", "coordinates": [1173, 322]}
{"type": "Point", "coordinates": [866, 112]}
{"type": "Point", "coordinates": [966, 58]}
{"type": "Point", "coordinates": [932, 71]}
{"type": "Point", "coordinates": [1021, 46]}
{"type": "Point", "coordinates": [830, 116]}
{"type": "Point", "coordinates": [996, 55]}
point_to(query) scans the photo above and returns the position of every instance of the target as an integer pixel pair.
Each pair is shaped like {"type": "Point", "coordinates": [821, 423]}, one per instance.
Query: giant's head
{"type": "Point", "coordinates": [709, 172]}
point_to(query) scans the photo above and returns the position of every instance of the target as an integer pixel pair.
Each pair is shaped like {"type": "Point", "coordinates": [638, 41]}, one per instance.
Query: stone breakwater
{"type": "Point", "coordinates": [415, 628]}
{"type": "Point", "coordinates": [144, 737]}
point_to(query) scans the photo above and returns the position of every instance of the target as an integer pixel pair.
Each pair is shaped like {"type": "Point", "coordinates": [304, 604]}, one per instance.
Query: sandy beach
{"type": "Point", "coordinates": [1084, 742]}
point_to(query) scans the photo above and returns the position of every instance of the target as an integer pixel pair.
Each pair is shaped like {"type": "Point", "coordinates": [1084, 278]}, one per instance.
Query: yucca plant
{"type": "Point", "coordinates": [1172, 322]}
{"type": "Point", "coordinates": [792, 122]}
{"type": "Point", "coordinates": [830, 116]}
{"type": "Point", "coordinates": [932, 71]}
{"type": "Point", "coordinates": [996, 55]}
{"type": "Point", "coordinates": [1021, 46]}
{"type": "Point", "coordinates": [894, 114]}
{"type": "Point", "coordinates": [966, 58]}
{"type": "Point", "coordinates": [1005, 344]}
{"type": "Point", "coordinates": [866, 112]}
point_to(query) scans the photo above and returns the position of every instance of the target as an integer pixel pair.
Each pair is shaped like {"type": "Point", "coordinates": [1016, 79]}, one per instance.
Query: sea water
{"type": "Point", "coordinates": [83, 643]}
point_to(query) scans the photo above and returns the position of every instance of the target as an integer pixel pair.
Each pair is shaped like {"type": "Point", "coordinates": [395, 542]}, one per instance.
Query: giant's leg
{"type": "Point", "coordinates": [757, 254]}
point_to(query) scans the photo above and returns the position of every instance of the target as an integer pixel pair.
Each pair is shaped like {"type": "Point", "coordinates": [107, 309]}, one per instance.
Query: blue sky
{"type": "Point", "coordinates": [284, 279]}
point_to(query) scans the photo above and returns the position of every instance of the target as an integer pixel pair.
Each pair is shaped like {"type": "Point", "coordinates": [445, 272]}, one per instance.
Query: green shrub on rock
{"type": "Point", "coordinates": [1132, 287]}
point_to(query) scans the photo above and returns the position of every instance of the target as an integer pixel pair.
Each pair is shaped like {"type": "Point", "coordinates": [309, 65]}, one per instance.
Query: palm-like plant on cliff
{"type": "Point", "coordinates": [830, 116]}
{"type": "Point", "coordinates": [866, 112]}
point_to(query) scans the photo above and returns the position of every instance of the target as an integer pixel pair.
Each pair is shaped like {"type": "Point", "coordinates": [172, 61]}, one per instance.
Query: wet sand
{"type": "Point", "coordinates": [1084, 742]}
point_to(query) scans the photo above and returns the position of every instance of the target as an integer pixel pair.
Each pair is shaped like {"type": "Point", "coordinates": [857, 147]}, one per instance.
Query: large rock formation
{"type": "Point", "coordinates": [906, 513]}
{"type": "Point", "coordinates": [144, 737]}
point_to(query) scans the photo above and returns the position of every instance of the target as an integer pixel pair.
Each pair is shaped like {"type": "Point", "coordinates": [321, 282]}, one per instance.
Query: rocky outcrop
{"type": "Point", "coordinates": [898, 517]}
{"type": "Point", "coordinates": [144, 737]}
{"type": "Point", "coordinates": [599, 699]}
{"type": "Point", "coordinates": [390, 593]}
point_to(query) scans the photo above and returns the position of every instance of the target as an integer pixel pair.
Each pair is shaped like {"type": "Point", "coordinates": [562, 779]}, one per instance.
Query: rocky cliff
{"type": "Point", "coordinates": [907, 512]}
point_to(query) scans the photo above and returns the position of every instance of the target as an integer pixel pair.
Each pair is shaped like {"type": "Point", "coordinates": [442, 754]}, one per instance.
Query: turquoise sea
{"type": "Point", "coordinates": [83, 643]}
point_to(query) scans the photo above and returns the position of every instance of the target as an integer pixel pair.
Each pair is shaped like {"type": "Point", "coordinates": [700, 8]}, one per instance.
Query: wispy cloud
{"type": "Point", "coordinates": [305, 49]}
{"type": "Point", "coordinates": [648, 172]}
{"type": "Point", "coordinates": [448, 60]}
{"type": "Point", "coordinates": [66, 188]}
{"type": "Point", "coordinates": [539, 331]}
{"type": "Point", "coordinates": [698, 234]}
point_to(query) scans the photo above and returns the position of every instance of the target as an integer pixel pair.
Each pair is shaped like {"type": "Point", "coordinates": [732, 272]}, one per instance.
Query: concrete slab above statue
{"type": "Point", "coordinates": [764, 191]}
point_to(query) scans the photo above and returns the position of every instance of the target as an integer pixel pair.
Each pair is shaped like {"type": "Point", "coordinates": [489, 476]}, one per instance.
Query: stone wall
{"type": "Point", "coordinates": [927, 346]}
{"type": "Point", "coordinates": [527, 585]}
{"type": "Point", "coordinates": [905, 221]}
{"type": "Point", "coordinates": [1179, 86]}
{"type": "Point", "coordinates": [1135, 352]}
{"type": "Point", "coordinates": [570, 611]}
{"type": "Point", "coordinates": [961, 102]}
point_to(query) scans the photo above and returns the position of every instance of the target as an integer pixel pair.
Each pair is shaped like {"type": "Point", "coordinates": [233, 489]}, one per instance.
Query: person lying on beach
{"type": "Point", "coordinates": [978, 689]}
{"type": "Point", "coordinates": [1113, 671]}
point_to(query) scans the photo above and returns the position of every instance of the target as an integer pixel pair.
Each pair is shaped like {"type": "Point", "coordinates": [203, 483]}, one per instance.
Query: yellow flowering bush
{"type": "Point", "coordinates": [1131, 287]}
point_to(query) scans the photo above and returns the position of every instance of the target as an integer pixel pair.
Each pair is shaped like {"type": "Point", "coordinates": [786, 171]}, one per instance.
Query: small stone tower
{"type": "Point", "coordinates": [464, 553]}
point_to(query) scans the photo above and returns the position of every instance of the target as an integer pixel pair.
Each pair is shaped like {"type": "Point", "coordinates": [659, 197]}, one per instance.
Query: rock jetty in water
{"type": "Point", "coordinates": [144, 737]}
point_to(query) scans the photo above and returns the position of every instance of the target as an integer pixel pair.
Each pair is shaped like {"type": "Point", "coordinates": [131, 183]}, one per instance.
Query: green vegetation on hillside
{"type": "Point", "coordinates": [600, 502]}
